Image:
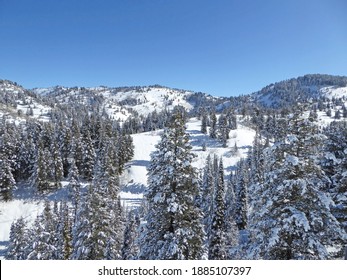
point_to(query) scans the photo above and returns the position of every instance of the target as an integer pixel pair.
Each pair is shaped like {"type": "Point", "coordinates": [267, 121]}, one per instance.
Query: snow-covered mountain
{"type": "Point", "coordinates": [121, 103]}
{"type": "Point", "coordinates": [19, 104]}
{"type": "Point", "coordinates": [301, 90]}
{"type": "Point", "coordinates": [324, 99]}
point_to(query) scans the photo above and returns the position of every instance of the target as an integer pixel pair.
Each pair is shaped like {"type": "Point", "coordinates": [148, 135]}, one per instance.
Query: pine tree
{"type": "Point", "coordinates": [74, 186]}
{"type": "Point", "coordinates": [223, 130]}
{"type": "Point", "coordinates": [213, 128]}
{"type": "Point", "coordinates": [232, 120]}
{"type": "Point", "coordinates": [89, 157]}
{"type": "Point", "coordinates": [174, 229]}
{"type": "Point", "coordinates": [97, 233]}
{"type": "Point", "coordinates": [43, 245]}
{"type": "Point", "coordinates": [232, 232]}
{"type": "Point", "coordinates": [130, 249]}
{"type": "Point", "coordinates": [334, 163]}
{"type": "Point", "coordinates": [207, 190]}
{"type": "Point", "coordinates": [7, 182]}
{"type": "Point", "coordinates": [41, 172]}
{"type": "Point", "coordinates": [18, 240]}
{"type": "Point", "coordinates": [204, 121]}
{"type": "Point", "coordinates": [234, 150]}
{"type": "Point", "coordinates": [291, 216]}
{"type": "Point", "coordinates": [64, 232]}
{"type": "Point", "coordinates": [241, 197]}
{"type": "Point", "coordinates": [217, 239]}
{"type": "Point", "coordinates": [57, 170]}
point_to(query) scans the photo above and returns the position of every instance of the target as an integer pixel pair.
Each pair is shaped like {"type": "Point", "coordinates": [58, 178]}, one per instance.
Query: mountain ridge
{"type": "Point", "coordinates": [123, 103]}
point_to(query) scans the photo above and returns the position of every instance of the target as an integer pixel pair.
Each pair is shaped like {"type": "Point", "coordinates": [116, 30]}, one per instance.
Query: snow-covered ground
{"type": "Point", "coordinates": [134, 178]}
{"type": "Point", "coordinates": [135, 175]}
{"type": "Point", "coordinates": [334, 92]}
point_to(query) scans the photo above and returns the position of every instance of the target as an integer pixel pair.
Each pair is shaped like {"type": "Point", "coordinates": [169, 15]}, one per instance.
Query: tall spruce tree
{"type": "Point", "coordinates": [43, 246]}
{"type": "Point", "coordinates": [213, 128]}
{"type": "Point", "coordinates": [130, 249]}
{"type": "Point", "coordinates": [97, 233]}
{"type": "Point", "coordinates": [217, 240]}
{"type": "Point", "coordinates": [174, 229]}
{"type": "Point", "coordinates": [291, 217]}
{"type": "Point", "coordinates": [241, 196]}
{"type": "Point", "coordinates": [19, 240]}
{"type": "Point", "coordinates": [207, 190]}
{"type": "Point", "coordinates": [7, 181]}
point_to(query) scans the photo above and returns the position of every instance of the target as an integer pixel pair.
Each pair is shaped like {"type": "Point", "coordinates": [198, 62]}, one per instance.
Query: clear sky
{"type": "Point", "coordinates": [222, 47]}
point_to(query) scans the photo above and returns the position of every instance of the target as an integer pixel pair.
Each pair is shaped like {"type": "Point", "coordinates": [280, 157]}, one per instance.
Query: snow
{"type": "Point", "coordinates": [135, 174]}
{"type": "Point", "coordinates": [153, 98]}
{"type": "Point", "coordinates": [293, 160]}
{"type": "Point", "coordinates": [134, 178]}
{"type": "Point", "coordinates": [333, 92]}
{"type": "Point", "coordinates": [145, 99]}
{"type": "Point", "coordinates": [15, 209]}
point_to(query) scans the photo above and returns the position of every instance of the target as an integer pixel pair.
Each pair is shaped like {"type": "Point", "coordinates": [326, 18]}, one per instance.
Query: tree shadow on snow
{"type": "Point", "coordinates": [197, 139]}
{"type": "Point", "coordinates": [144, 163]}
{"type": "Point", "coordinates": [3, 248]}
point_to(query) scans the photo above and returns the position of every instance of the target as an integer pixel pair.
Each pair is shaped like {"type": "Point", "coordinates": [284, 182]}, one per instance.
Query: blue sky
{"type": "Point", "coordinates": [222, 47]}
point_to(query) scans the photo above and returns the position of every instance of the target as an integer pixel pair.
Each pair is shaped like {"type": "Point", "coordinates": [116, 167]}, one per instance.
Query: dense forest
{"type": "Point", "coordinates": [286, 199]}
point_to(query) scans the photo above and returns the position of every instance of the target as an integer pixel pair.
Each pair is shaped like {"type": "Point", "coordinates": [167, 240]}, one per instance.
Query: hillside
{"type": "Point", "coordinates": [69, 152]}
{"type": "Point", "coordinates": [300, 90]}
{"type": "Point", "coordinates": [123, 102]}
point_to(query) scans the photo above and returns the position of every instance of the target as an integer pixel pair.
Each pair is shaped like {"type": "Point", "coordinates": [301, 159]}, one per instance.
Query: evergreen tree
{"type": "Point", "coordinates": [234, 150]}
{"type": "Point", "coordinates": [130, 249]}
{"type": "Point", "coordinates": [232, 232]}
{"type": "Point", "coordinates": [74, 186]}
{"type": "Point", "coordinates": [213, 128]}
{"type": "Point", "coordinates": [89, 157]}
{"type": "Point", "coordinates": [41, 171]}
{"type": "Point", "coordinates": [18, 240]}
{"type": "Point", "coordinates": [207, 190]}
{"type": "Point", "coordinates": [241, 196]}
{"type": "Point", "coordinates": [291, 216]}
{"type": "Point", "coordinates": [57, 170]}
{"type": "Point", "coordinates": [174, 229]}
{"type": "Point", "coordinates": [7, 182]}
{"type": "Point", "coordinates": [223, 130]}
{"type": "Point", "coordinates": [43, 245]}
{"type": "Point", "coordinates": [334, 163]}
{"type": "Point", "coordinates": [217, 239]}
{"type": "Point", "coordinates": [204, 123]}
{"type": "Point", "coordinates": [64, 232]}
{"type": "Point", "coordinates": [97, 233]}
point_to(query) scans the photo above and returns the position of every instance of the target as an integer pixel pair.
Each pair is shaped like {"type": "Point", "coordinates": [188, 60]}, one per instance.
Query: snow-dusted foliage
{"type": "Point", "coordinates": [174, 229]}
{"type": "Point", "coordinates": [207, 191]}
{"type": "Point", "coordinates": [97, 233]}
{"type": "Point", "coordinates": [18, 240]}
{"type": "Point", "coordinates": [241, 196]}
{"type": "Point", "coordinates": [291, 217]}
{"type": "Point", "coordinates": [71, 147]}
{"type": "Point", "coordinates": [217, 249]}
{"type": "Point", "coordinates": [7, 182]}
{"type": "Point", "coordinates": [334, 162]}
{"type": "Point", "coordinates": [130, 249]}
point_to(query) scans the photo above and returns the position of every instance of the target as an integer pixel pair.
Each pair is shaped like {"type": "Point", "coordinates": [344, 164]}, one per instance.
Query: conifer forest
{"type": "Point", "coordinates": [156, 173]}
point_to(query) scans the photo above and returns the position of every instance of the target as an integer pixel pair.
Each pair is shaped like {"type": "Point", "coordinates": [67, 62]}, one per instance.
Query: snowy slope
{"type": "Point", "coordinates": [334, 92]}
{"type": "Point", "coordinates": [134, 178]}
{"type": "Point", "coordinates": [302, 89]}
{"type": "Point", "coordinates": [119, 103]}
{"type": "Point", "coordinates": [20, 104]}
{"type": "Point", "coordinates": [149, 99]}
{"type": "Point", "coordinates": [135, 175]}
